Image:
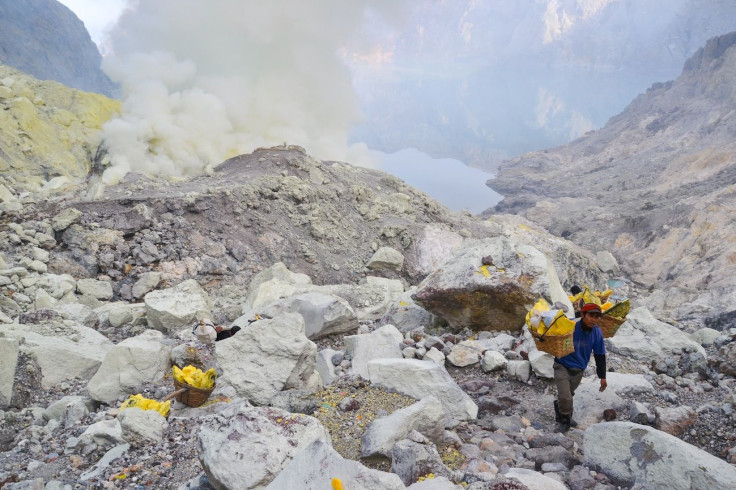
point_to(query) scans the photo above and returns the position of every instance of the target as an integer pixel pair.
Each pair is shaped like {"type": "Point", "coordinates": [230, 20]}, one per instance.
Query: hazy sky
{"type": "Point", "coordinates": [97, 15]}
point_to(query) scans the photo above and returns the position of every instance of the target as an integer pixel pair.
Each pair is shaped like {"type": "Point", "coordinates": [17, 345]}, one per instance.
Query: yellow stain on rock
{"type": "Point", "coordinates": [48, 129]}
{"type": "Point", "coordinates": [484, 271]}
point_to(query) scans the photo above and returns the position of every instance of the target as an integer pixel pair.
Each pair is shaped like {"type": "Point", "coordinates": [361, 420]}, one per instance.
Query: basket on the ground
{"type": "Point", "coordinates": [191, 396]}
{"type": "Point", "coordinates": [557, 345]}
{"type": "Point", "coordinates": [609, 325]}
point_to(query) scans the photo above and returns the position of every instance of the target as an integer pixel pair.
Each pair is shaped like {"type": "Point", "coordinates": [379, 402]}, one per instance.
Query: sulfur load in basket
{"type": "Point", "coordinates": [193, 386]}
{"type": "Point", "coordinates": [550, 329]}
{"type": "Point", "coordinates": [613, 318]}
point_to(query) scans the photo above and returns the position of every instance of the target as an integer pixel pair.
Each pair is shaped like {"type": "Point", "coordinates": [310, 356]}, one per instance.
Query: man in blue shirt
{"type": "Point", "coordinates": [587, 338]}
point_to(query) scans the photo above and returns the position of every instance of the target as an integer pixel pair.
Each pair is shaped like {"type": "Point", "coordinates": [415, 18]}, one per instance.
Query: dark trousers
{"type": "Point", "coordinates": [567, 381]}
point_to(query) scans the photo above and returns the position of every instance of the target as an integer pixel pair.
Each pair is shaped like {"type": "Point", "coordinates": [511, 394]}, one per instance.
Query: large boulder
{"type": "Point", "coordinates": [130, 364]}
{"type": "Point", "coordinates": [324, 314]}
{"type": "Point", "coordinates": [172, 308]}
{"type": "Point", "coordinates": [426, 417]}
{"type": "Point", "coordinates": [64, 351]}
{"type": "Point", "coordinates": [270, 285]}
{"type": "Point", "coordinates": [637, 455]}
{"type": "Point", "coordinates": [267, 357]}
{"type": "Point", "coordinates": [644, 338]}
{"type": "Point", "coordinates": [419, 379]}
{"type": "Point", "coordinates": [384, 342]}
{"type": "Point", "coordinates": [246, 447]}
{"type": "Point", "coordinates": [315, 467]}
{"type": "Point", "coordinates": [589, 402]}
{"type": "Point", "coordinates": [141, 427]}
{"type": "Point", "coordinates": [406, 315]}
{"type": "Point", "coordinates": [494, 296]}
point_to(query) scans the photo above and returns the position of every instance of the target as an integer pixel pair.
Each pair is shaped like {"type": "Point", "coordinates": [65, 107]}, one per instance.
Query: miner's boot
{"type": "Point", "coordinates": [572, 421]}
{"type": "Point", "coordinates": [564, 424]}
{"type": "Point", "coordinates": [558, 415]}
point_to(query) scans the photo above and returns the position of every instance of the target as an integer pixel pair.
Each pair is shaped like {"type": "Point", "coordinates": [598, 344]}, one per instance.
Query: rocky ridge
{"type": "Point", "coordinates": [654, 187]}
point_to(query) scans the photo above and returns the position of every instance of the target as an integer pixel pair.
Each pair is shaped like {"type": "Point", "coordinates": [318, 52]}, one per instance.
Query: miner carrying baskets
{"type": "Point", "coordinates": [587, 338]}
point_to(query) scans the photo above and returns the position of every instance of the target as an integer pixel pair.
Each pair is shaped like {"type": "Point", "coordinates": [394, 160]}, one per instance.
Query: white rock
{"type": "Point", "coordinates": [386, 258]}
{"type": "Point", "coordinates": [324, 314]}
{"type": "Point", "coordinates": [589, 403]}
{"type": "Point", "coordinates": [130, 364]}
{"type": "Point", "coordinates": [466, 353]}
{"type": "Point", "coordinates": [56, 409]}
{"type": "Point", "coordinates": [101, 290]}
{"type": "Point", "coordinates": [435, 356]}
{"type": "Point", "coordinates": [542, 364]}
{"type": "Point", "coordinates": [65, 219]}
{"type": "Point", "coordinates": [63, 353]}
{"type": "Point", "coordinates": [632, 454]}
{"type": "Point", "coordinates": [147, 282]}
{"type": "Point", "coordinates": [644, 338]}
{"type": "Point", "coordinates": [426, 417]}
{"type": "Point", "coordinates": [705, 336]}
{"type": "Point", "coordinates": [419, 379]}
{"type": "Point", "coordinates": [607, 262]}
{"type": "Point", "coordinates": [534, 480]}
{"type": "Point", "coordinates": [141, 427]}
{"type": "Point", "coordinates": [172, 308]}
{"type": "Point", "coordinates": [405, 314]}
{"type": "Point", "coordinates": [267, 437]}
{"type": "Point", "coordinates": [314, 468]}
{"type": "Point", "coordinates": [493, 361]}
{"type": "Point", "coordinates": [104, 433]}
{"type": "Point", "coordinates": [269, 356]}
{"type": "Point", "coordinates": [519, 370]}
{"type": "Point", "coordinates": [325, 367]}
{"type": "Point", "coordinates": [383, 342]}
{"type": "Point", "coordinates": [40, 254]}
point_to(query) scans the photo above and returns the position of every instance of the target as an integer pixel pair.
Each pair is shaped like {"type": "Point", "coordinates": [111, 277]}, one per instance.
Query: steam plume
{"type": "Point", "coordinates": [204, 81]}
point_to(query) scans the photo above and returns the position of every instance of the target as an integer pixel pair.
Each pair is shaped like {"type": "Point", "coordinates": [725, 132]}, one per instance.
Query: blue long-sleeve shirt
{"type": "Point", "coordinates": [586, 342]}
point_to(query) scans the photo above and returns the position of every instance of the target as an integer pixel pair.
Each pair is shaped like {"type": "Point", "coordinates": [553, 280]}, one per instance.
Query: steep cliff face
{"type": "Point", "coordinates": [45, 39]}
{"type": "Point", "coordinates": [655, 186]}
{"type": "Point", "coordinates": [48, 130]}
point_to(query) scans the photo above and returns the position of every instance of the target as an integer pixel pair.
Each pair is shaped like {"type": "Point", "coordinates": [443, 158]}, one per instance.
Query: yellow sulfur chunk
{"type": "Point", "coordinates": [193, 376]}
{"type": "Point", "coordinates": [138, 401]}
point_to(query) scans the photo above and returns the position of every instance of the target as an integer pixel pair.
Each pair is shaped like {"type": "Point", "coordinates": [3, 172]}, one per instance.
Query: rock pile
{"type": "Point", "coordinates": [320, 383]}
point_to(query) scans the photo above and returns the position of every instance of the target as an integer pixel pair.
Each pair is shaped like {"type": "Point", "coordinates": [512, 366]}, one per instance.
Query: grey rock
{"type": "Point", "coordinates": [383, 343]}
{"type": "Point", "coordinates": [141, 427]}
{"type": "Point", "coordinates": [631, 454]}
{"type": "Point", "coordinates": [410, 460]}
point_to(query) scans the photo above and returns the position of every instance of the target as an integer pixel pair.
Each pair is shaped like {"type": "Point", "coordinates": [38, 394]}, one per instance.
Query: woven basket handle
{"type": "Point", "coordinates": [177, 392]}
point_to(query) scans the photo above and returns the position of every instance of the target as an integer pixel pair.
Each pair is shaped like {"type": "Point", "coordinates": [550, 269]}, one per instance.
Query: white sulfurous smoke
{"type": "Point", "coordinates": [205, 81]}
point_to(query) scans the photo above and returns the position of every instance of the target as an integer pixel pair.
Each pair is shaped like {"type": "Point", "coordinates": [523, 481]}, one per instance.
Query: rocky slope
{"type": "Point", "coordinates": [655, 187]}
{"type": "Point", "coordinates": [45, 38]}
{"type": "Point", "coordinates": [50, 132]}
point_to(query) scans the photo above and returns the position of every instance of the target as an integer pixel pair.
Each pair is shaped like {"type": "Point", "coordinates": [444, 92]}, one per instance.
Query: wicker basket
{"type": "Point", "coordinates": [557, 345]}
{"type": "Point", "coordinates": [609, 325]}
{"type": "Point", "coordinates": [189, 395]}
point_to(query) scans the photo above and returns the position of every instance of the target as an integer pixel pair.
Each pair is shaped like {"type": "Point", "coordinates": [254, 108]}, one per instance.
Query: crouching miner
{"type": "Point", "coordinates": [569, 369]}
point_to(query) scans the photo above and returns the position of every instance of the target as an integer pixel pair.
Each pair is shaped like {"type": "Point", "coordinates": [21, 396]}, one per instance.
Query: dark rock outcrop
{"type": "Point", "coordinates": [45, 39]}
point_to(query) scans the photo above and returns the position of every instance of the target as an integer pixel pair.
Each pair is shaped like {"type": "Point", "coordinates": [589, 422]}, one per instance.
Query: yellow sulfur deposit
{"type": "Point", "coordinates": [541, 319]}
{"type": "Point", "coordinates": [138, 401]}
{"type": "Point", "coordinates": [48, 129]}
{"type": "Point", "coordinates": [195, 377]}
{"type": "Point", "coordinates": [336, 484]}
